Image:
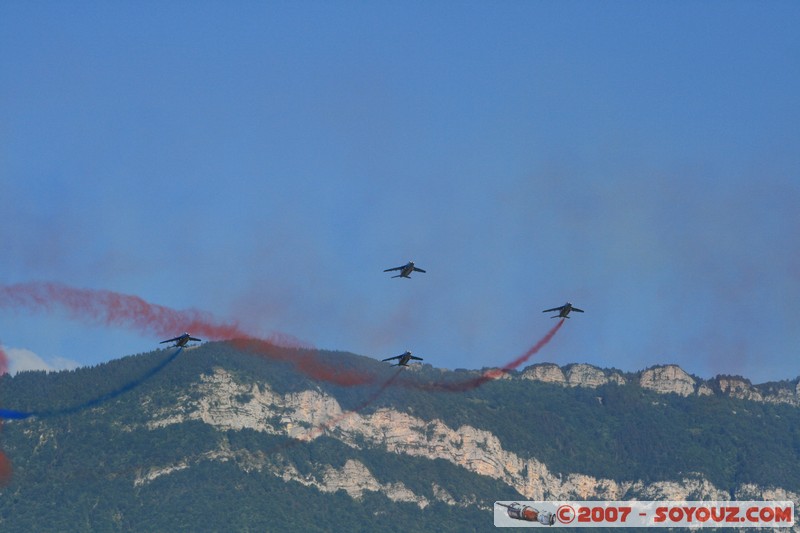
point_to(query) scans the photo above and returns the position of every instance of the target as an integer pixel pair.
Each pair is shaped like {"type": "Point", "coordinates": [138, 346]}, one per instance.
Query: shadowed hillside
{"type": "Point", "coordinates": [223, 440]}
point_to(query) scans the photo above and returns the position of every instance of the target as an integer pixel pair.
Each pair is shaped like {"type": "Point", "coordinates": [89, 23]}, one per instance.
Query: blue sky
{"type": "Point", "coordinates": [265, 162]}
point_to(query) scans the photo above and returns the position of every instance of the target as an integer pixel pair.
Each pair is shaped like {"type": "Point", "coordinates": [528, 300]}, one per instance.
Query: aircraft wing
{"type": "Point", "coordinates": [195, 339]}
{"type": "Point", "coordinates": [395, 268]}
{"type": "Point", "coordinates": [390, 358]}
{"type": "Point", "coordinates": [169, 340]}
{"type": "Point", "coordinates": [418, 269]}
{"type": "Point", "coordinates": [578, 310]}
{"type": "Point", "coordinates": [415, 357]}
{"type": "Point", "coordinates": [554, 309]}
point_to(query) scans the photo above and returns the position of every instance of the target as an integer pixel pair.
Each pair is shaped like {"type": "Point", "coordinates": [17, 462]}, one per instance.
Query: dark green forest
{"type": "Point", "coordinates": [74, 469]}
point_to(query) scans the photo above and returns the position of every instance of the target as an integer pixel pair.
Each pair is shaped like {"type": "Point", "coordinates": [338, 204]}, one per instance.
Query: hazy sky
{"type": "Point", "coordinates": [265, 161]}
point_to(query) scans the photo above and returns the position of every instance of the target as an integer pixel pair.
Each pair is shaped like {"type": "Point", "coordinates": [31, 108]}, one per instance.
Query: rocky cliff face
{"type": "Point", "coordinates": [224, 403]}
{"type": "Point", "coordinates": [577, 375]}
{"type": "Point", "coordinates": [546, 373]}
{"type": "Point", "coordinates": [666, 379]}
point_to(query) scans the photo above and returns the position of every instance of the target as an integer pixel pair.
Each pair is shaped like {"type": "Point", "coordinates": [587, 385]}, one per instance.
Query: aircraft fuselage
{"type": "Point", "coordinates": [182, 341]}
{"type": "Point", "coordinates": [565, 310]}
{"type": "Point", "coordinates": [403, 359]}
{"type": "Point", "coordinates": [405, 270]}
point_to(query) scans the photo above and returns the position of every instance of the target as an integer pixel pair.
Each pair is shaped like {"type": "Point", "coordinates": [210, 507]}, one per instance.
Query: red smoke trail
{"type": "Point", "coordinates": [114, 309]}
{"type": "Point", "coordinates": [489, 375]}
{"type": "Point", "coordinates": [358, 378]}
{"type": "Point", "coordinates": [5, 470]}
{"type": "Point", "coordinates": [306, 360]}
{"type": "Point", "coordinates": [361, 379]}
{"type": "Point", "coordinates": [3, 362]}
{"type": "Point", "coordinates": [124, 310]}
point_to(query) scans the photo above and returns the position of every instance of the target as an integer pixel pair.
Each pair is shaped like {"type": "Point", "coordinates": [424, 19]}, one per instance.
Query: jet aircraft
{"type": "Point", "coordinates": [563, 311]}
{"type": "Point", "coordinates": [181, 340]}
{"type": "Point", "coordinates": [405, 270]}
{"type": "Point", "coordinates": [403, 359]}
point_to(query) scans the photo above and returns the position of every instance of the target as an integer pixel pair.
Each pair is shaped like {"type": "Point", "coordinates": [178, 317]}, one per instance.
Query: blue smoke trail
{"type": "Point", "coordinates": [10, 414]}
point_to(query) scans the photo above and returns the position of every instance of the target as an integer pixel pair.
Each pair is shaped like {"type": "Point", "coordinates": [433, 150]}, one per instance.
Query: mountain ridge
{"type": "Point", "coordinates": [220, 417]}
{"type": "Point", "coordinates": [667, 378]}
